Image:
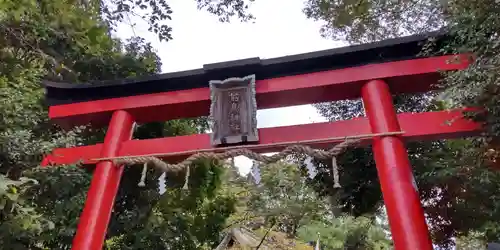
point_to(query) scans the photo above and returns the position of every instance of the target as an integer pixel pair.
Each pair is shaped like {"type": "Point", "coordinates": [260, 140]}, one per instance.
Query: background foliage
{"type": "Point", "coordinates": [285, 202]}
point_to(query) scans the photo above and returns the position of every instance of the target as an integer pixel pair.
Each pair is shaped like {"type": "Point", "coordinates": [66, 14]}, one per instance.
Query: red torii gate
{"type": "Point", "coordinates": [373, 72]}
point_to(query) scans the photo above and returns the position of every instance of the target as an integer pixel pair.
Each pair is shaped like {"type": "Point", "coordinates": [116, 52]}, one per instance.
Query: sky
{"type": "Point", "coordinates": [199, 38]}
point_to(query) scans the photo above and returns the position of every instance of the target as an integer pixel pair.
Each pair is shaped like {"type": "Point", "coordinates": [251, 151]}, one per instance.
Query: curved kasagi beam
{"type": "Point", "coordinates": [352, 56]}
{"type": "Point", "coordinates": [409, 76]}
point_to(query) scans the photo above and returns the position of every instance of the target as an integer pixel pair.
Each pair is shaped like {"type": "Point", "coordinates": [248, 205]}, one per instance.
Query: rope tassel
{"type": "Point", "coordinates": [162, 183]}
{"type": "Point", "coordinates": [186, 180]}
{"type": "Point", "coordinates": [335, 169]}
{"type": "Point", "coordinates": [142, 183]}
{"type": "Point", "coordinates": [229, 152]}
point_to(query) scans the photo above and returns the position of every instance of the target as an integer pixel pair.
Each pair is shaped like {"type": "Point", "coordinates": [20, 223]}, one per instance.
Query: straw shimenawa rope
{"type": "Point", "coordinates": [238, 151]}
{"type": "Point", "coordinates": [166, 167]}
{"type": "Point", "coordinates": [184, 165]}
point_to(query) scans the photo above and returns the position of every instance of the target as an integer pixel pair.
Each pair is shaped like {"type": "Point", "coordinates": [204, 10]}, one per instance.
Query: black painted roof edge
{"type": "Point", "coordinates": [342, 57]}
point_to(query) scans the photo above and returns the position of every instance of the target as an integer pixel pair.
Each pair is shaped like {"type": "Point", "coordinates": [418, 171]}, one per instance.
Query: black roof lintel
{"type": "Point", "coordinates": [343, 57]}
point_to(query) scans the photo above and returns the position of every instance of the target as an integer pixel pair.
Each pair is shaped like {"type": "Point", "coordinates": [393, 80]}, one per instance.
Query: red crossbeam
{"type": "Point", "coordinates": [410, 76]}
{"type": "Point", "coordinates": [419, 126]}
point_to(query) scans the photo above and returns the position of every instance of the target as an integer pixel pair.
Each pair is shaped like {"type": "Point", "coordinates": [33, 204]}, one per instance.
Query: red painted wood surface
{"type": "Point", "coordinates": [418, 126]}
{"type": "Point", "coordinates": [401, 198]}
{"type": "Point", "coordinates": [410, 76]}
{"type": "Point", "coordinates": [95, 217]}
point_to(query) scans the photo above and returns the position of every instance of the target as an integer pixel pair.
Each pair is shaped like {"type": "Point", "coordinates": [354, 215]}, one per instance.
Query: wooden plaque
{"type": "Point", "coordinates": [233, 111]}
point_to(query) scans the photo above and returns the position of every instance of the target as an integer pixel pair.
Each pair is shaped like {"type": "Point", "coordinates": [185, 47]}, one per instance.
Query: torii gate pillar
{"type": "Point", "coordinates": [405, 213]}
{"type": "Point", "coordinates": [95, 217]}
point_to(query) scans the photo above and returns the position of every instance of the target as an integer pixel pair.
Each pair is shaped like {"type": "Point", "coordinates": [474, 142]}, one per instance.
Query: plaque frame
{"type": "Point", "coordinates": [233, 111]}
